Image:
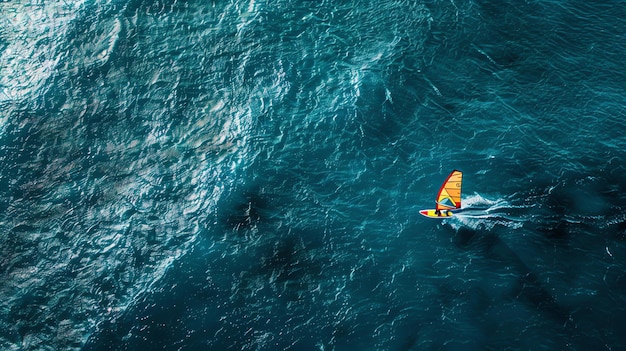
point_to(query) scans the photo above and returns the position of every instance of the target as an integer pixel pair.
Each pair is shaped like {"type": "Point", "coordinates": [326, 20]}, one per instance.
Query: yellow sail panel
{"type": "Point", "coordinates": [449, 196]}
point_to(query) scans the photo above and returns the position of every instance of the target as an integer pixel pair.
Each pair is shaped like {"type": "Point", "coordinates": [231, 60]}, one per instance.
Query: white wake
{"type": "Point", "coordinates": [481, 212]}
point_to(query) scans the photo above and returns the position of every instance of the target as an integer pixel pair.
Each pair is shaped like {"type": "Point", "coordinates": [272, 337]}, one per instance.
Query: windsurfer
{"type": "Point", "coordinates": [448, 198]}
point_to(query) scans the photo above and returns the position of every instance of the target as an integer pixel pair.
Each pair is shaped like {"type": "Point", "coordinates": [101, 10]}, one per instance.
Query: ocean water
{"type": "Point", "coordinates": [247, 175]}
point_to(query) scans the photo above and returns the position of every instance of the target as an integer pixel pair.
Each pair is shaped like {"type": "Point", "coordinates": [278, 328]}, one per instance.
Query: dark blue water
{"type": "Point", "coordinates": [224, 175]}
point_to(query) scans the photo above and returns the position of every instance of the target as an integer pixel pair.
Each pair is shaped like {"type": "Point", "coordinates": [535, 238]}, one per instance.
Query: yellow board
{"type": "Point", "coordinates": [434, 214]}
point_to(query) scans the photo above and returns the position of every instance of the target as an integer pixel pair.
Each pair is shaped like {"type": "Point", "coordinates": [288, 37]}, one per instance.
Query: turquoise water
{"type": "Point", "coordinates": [223, 175]}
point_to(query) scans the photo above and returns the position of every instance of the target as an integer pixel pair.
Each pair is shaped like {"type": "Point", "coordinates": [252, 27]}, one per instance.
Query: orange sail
{"type": "Point", "coordinates": [449, 196]}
